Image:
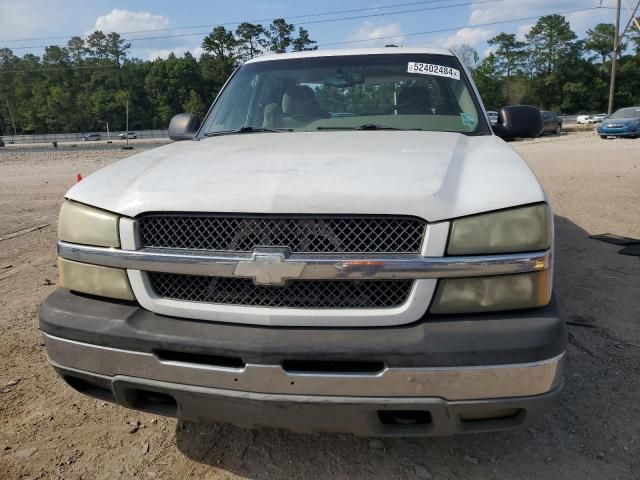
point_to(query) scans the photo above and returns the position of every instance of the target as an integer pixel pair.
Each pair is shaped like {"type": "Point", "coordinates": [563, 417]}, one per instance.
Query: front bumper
{"type": "Point", "coordinates": [358, 415]}
{"type": "Point", "coordinates": [440, 375]}
{"type": "Point", "coordinates": [618, 132]}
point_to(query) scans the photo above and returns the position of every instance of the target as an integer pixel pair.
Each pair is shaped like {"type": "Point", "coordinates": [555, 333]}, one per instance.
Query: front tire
{"type": "Point", "coordinates": [604, 137]}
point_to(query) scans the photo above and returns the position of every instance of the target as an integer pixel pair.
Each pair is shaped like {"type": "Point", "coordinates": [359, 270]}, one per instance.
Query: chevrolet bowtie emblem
{"type": "Point", "coordinates": [269, 268]}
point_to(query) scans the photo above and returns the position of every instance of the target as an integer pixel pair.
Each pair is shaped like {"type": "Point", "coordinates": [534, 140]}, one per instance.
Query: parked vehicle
{"type": "Point", "coordinates": [383, 273]}
{"type": "Point", "coordinates": [92, 137]}
{"type": "Point", "coordinates": [125, 135]}
{"type": "Point", "coordinates": [585, 119]}
{"type": "Point", "coordinates": [622, 123]}
{"type": "Point", "coordinates": [493, 117]}
{"type": "Point", "coordinates": [599, 117]}
{"type": "Point", "coordinates": [552, 123]}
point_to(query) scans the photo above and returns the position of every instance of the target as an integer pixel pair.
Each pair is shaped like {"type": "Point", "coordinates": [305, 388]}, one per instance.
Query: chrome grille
{"type": "Point", "coordinates": [317, 294]}
{"type": "Point", "coordinates": [309, 234]}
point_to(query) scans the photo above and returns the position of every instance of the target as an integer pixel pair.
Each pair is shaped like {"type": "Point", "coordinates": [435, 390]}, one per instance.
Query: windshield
{"type": "Point", "coordinates": [632, 112]}
{"type": "Point", "coordinates": [367, 92]}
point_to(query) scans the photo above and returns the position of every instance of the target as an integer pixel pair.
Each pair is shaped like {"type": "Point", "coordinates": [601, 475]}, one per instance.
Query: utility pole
{"type": "Point", "coordinates": [395, 98]}
{"type": "Point", "coordinates": [127, 132]}
{"type": "Point", "coordinates": [614, 57]}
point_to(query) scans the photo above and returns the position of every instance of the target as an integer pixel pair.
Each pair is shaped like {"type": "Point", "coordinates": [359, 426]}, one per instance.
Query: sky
{"type": "Point", "coordinates": [24, 23]}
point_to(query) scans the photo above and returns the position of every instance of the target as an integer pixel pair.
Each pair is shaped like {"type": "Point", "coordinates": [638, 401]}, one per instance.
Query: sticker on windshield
{"type": "Point", "coordinates": [468, 120]}
{"type": "Point", "coordinates": [430, 69]}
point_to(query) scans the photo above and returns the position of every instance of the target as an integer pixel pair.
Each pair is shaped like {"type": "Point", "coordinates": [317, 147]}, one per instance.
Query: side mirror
{"type": "Point", "coordinates": [523, 121]}
{"type": "Point", "coordinates": [183, 127]}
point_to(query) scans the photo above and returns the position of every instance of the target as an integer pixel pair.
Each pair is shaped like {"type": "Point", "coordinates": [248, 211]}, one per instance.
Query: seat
{"type": "Point", "coordinates": [415, 101]}
{"type": "Point", "coordinates": [272, 117]}
{"type": "Point", "coordinates": [300, 106]}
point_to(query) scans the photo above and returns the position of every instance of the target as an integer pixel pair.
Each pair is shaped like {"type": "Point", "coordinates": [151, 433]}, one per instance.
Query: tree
{"type": "Point", "coordinates": [303, 42]}
{"type": "Point", "coordinates": [157, 88]}
{"type": "Point", "coordinates": [635, 39]}
{"type": "Point", "coordinates": [194, 104]}
{"type": "Point", "coordinates": [554, 55]}
{"type": "Point", "coordinates": [550, 41]}
{"type": "Point", "coordinates": [55, 55]}
{"type": "Point", "coordinates": [251, 40]}
{"type": "Point", "coordinates": [219, 59]}
{"type": "Point", "coordinates": [97, 45]}
{"type": "Point", "coordinates": [58, 108]}
{"type": "Point", "coordinates": [77, 49]}
{"type": "Point", "coordinates": [600, 40]}
{"type": "Point", "coordinates": [628, 91]}
{"type": "Point", "coordinates": [510, 53]}
{"type": "Point", "coordinates": [489, 80]}
{"type": "Point", "coordinates": [221, 44]}
{"type": "Point", "coordinates": [173, 85]}
{"type": "Point", "coordinates": [7, 57]}
{"type": "Point", "coordinates": [116, 48]}
{"type": "Point", "coordinates": [510, 58]}
{"type": "Point", "coordinates": [51, 94]}
{"type": "Point", "coordinates": [467, 55]}
{"type": "Point", "coordinates": [280, 35]}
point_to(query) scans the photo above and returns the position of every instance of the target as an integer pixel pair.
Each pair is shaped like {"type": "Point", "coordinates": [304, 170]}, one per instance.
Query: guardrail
{"type": "Point", "coordinates": [77, 137]}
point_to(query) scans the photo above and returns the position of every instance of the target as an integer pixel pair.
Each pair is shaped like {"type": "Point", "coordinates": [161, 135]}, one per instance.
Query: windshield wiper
{"type": "Point", "coordinates": [366, 126]}
{"type": "Point", "coordinates": [247, 129]}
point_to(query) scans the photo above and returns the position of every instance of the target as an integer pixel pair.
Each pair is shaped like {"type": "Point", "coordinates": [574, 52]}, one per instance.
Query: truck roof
{"type": "Point", "coordinates": [350, 51]}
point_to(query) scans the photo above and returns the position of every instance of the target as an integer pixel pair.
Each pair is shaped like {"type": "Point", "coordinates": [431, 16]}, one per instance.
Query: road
{"type": "Point", "coordinates": [48, 431]}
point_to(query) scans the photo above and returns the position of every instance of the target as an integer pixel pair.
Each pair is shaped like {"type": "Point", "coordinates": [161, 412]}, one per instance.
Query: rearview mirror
{"type": "Point", "coordinates": [183, 127]}
{"type": "Point", "coordinates": [345, 78]}
{"type": "Point", "coordinates": [523, 121]}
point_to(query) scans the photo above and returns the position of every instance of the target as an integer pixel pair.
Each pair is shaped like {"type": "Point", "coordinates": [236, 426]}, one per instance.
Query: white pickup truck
{"type": "Point", "coordinates": [343, 244]}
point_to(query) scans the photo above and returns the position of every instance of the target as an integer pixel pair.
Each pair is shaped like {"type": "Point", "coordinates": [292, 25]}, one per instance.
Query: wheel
{"type": "Point", "coordinates": [558, 129]}
{"type": "Point", "coordinates": [604, 137]}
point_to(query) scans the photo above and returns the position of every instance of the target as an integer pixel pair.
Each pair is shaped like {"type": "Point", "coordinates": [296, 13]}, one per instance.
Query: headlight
{"type": "Point", "coordinates": [88, 226]}
{"type": "Point", "coordinates": [488, 294]}
{"type": "Point", "coordinates": [523, 229]}
{"type": "Point", "coordinates": [94, 279]}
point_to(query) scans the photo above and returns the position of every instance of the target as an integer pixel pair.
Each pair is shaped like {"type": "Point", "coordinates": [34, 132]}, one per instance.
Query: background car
{"type": "Point", "coordinates": [551, 122]}
{"type": "Point", "coordinates": [125, 135]}
{"type": "Point", "coordinates": [92, 137]}
{"type": "Point", "coordinates": [624, 122]}
{"type": "Point", "coordinates": [493, 117]}
{"type": "Point", "coordinates": [599, 117]}
{"type": "Point", "coordinates": [584, 119]}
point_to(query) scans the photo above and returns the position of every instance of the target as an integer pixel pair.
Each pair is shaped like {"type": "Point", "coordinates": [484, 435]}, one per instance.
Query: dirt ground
{"type": "Point", "coordinates": [49, 431]}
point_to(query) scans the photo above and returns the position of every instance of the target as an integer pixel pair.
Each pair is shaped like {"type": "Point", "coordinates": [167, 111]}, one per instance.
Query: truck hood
{"type": "Point", "coordinates": [432, 175]}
